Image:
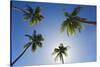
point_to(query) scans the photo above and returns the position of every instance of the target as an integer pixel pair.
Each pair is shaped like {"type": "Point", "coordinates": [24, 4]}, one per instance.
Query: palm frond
{"type": "Point", "coordinates": [29, 36]}
{"type": "Point", "coordinates": [65, 53]}
{"type": "Point", "coordinates": [57, 56]}
{"type": "Point", "coordinates": [71, 26]}
{"type": "Point", "coordinates": [34, 47]}
{"type": "Point", "coordinates": [66, 14]}
{"type": "Point", "coordinates": [29, 12]}
{"type": "Point", "coordinates": [76, 11]}
{"type": "Point", "coordinates": [29, 9]}
{"type": "Point", "coordinates": [41, 16]}
{"type": "Point", "coordinates": [27, 16]}
{"type": "Point", "coordinates": [63, 26]}
{"type": "Point", "coordinates": [40, 37]}
{"type": "Point", "coordinates": [56, 50]}
{"type": "Point", "coordinates": [39, 44]}
{"type": "Point", "coordinates": [37, 9]}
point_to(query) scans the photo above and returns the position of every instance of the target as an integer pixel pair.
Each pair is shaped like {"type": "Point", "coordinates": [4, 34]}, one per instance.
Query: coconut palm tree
{"type": "Point", "coordinates": [35, 41]}
{"type": "Point", "coordinates": [73, 22]}
{"type": "Point", "coordinates": [33, 16]}
{"type": "Point", "coordinates": [60, 52]}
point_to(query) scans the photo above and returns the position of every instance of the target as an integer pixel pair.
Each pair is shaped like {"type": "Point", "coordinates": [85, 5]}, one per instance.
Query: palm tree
{"type": "Point", "coordinates": [33, 16]}
{"type": "Point", "coordinates": [73, 22]}
{"type": "Point", "coordinates": [60, 52]}
{"type": "Point", "coordinates": [35, 41]}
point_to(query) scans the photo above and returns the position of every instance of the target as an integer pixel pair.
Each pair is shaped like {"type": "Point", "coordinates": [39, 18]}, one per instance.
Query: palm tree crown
{"type": "Point", "coordinates": [35, 41]}
{"type": "Point", "coordinates": [60, 52]}
{"type": "Point", "coordinates": [33, 16]}
{"type": "Point", "coordinates": [73, 22]}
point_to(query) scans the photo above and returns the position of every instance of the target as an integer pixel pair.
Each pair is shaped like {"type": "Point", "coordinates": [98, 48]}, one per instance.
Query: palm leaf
{"type": "Point", "coordinates": [56, 50]}
{"type": "Point", "coordinates": [57, 56]}
{"type": "Point", "coordinates": [39, 37]}
{"type": "Point", "coordinates": [65, 53]}
{"type": "Point", "coordinates": [29, 36]}
{"type": "Point", "coordinates": [76, 11]}
{"type": "Point", "coordinates": [34, 47]}
{"type": "Point", "coordinates": [29, 9]}
{"type": "Point", "coordinates": [39, 44]}
{"type": "Point", "coordinates": [66, 14]}
{"type": "Point", "coordinates": [37, 9]}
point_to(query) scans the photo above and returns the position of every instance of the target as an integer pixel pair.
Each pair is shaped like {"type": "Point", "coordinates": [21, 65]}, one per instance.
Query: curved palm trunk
{"type": "Point", "coordinates": [19, 56]}
{"type": "Point", "coordinates": [90, 22]}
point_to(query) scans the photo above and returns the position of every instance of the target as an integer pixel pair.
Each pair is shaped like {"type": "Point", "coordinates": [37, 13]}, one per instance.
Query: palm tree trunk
{"type": "Point", "coordinates": [19, 56]}
{"type": "Point", "coordinates": [90, 22]}
{"type": "Point", "coordinates": [19, 9]}
{"type": "Point", "coordinates": [62, 59]}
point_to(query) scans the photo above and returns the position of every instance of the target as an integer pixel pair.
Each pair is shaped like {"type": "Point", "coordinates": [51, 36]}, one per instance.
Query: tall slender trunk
{"type": "Point", "coordinates": [20, 10]}
{"type": "Point", "coordinates": [62, 59]}
{"type": "Point", "coordinates": [19, 56]}
{"type": "Point", "coordinates": [90, 22]}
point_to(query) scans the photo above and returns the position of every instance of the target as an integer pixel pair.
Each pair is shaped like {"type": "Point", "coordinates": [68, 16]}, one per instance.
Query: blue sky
{"type": "Point", "coordinates": [83, 44]}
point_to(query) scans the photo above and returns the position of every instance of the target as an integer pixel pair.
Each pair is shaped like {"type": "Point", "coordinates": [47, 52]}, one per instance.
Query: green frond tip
{"type": "Point", "coordinates": [76, 10]}
{"type": "Point", "coordinates": [66, 14]}
{"type": "Point", "coordinates": [29, 36]}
